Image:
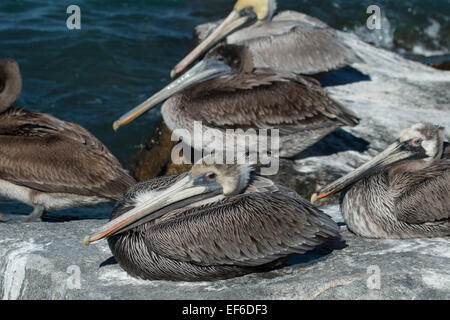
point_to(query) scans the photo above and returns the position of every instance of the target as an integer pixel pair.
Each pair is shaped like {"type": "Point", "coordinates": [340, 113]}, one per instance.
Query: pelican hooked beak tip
{"type": "Point", "coordinates": [318, 195]}
{"type": "Point", "coordinates": [173, 73]}
{"type": "Point", "coordinates": [86, 241]}
{"type": "Point", "coordinates": [321, 195]}
{"type": "Point", "coordinates": [116, 125]}
{"type": "Point", "coordinates": [204, 70]}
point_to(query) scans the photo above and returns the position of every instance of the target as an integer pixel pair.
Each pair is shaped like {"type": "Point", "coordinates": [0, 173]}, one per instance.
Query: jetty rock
{"type": "Point", "coordinates": [46, 260]}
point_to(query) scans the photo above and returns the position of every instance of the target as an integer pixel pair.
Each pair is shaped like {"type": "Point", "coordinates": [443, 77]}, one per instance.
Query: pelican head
{"type": "Point", "coordinates": [221, 61]}
{"type": "Point", "coordinates": [416, 148]}
{"type": "Point", "coordinates": [205, 183]}
{"type": "Point", "coordinates": [262, 9]}
{"type": "Point", "coordinates": [10, 83]}
{"type": "Point", "coordinates": [245, 12]}
{"type": "Point", "coordinates": [232, 178]}
{"type": "Point", "coordinates": [425, 138]}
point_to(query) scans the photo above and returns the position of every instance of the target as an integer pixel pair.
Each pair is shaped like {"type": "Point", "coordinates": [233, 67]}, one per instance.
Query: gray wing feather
{"type": "Point", "coordinates": [50, 155]}
{"type": "Point", "coordinates": [305, 49]}
{"type": "Point", "coordinates": [289, 15]}
{"type": "Point", "coordinates": [308, 45]}
{"type": "Point", "coordinates": [428, 197]}
{"type": "Point", "coordinates": [272, 102]}
{"type": "Point", "coordinates": [249, 230]}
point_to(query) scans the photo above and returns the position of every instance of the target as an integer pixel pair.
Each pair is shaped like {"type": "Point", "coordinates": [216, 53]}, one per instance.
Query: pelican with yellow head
{"type": "Point", "coordinates": [288, 41]}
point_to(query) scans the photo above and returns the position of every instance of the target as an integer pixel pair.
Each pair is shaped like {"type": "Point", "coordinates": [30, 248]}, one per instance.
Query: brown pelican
{"type": "Point", "coordinates": [214, 222]}
{"type": "Point", "coordinates": [48, 163]}
{"type": "Point", "coordinates": [290, 41]}
{"type": "Point", "coordinates": [404, 192]}
{"type": "Point", "coordinates": [226, 91]}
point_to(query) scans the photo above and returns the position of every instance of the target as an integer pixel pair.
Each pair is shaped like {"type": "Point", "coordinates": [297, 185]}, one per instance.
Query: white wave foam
{"type": "Point", "coordinates": [433, 29]}
{"type": "Point", "coordinates": [419, 49]}
{"type": "Point", "coordinates": [383, 37]}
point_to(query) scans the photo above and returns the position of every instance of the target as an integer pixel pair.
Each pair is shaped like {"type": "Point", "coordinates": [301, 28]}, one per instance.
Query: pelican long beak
{"type": "Point", "coordinates": [394, 153]}
{"type": "Point", "coordinates": [181, 194]}
{"type": "Point", "coordinates": [231, 23]}
{"type": "Point", "coordinates": [202, 71]}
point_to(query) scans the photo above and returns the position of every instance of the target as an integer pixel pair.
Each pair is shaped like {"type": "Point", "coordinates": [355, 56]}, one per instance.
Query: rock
{"type": "Point", "coordinates": [308, 183]}
{"type": "Point", "coordinates": [173, 168]}
{"type": "Point", "coordinates": [154, 156]}
{"type": "Point", "coordinates": [47, 261]}
{"type": "Point", "coordinates": [443, 65]}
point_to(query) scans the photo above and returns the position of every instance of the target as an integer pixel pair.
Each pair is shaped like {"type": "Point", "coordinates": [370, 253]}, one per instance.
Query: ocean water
{"type": "Point", "coordinates": [126, 49]}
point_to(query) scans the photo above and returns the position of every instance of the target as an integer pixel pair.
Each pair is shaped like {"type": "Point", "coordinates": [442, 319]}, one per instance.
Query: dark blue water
{"type": "Point", "coordinates": [126, 49]}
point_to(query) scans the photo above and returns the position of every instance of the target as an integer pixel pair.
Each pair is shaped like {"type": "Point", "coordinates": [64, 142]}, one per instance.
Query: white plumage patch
{"type": "Point", "coordinates": [50, 201]}
{"type": "Point", "coordinates": [411, 132]}
{"type": "Point", "coordinates": [15, 192]}
{"type": "Point", "coordinates": [430, 147]}
{"type": "Point", "coordinates": [146, 196]}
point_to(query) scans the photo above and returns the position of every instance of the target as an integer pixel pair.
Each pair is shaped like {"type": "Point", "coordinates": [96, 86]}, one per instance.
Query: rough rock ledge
{"type": "Point", "coordinates": [45, 261]}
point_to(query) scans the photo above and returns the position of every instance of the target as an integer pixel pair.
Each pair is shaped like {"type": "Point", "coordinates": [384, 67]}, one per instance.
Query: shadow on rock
{"type": "Point", "coordinates": [302, 260]}
{"type": "Point", "coordinates": [319, 253]}
{"type": "Point", "coordinates": [337, 141]}
{"type": "Point", "coordinates": [342, 76]}
{"type": "Point", "coordinates": [11, 218]}
{"type": "Point", "coordinates": [110, 261]}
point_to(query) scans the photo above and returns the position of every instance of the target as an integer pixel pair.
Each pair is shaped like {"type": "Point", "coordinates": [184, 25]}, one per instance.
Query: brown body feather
{"type": "Point", "coordinates": [263, 99]}
{"type": "Point", "coordinates": [401, 202]}
{"type": "Point", "coordinates": [423, 196]}
{"type": "Point", "coordinates": [44, 153]}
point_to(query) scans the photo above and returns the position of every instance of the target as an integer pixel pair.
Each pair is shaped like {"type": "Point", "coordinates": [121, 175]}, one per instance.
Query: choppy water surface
{"type": "Point", "coordinates": [126, 49]}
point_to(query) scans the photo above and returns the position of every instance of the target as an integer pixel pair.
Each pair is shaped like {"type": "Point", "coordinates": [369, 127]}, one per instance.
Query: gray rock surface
{"type": "Point", "coordinates": [45, 260]}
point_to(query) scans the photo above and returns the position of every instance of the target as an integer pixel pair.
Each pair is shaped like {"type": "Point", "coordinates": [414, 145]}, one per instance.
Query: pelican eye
{"type": "Point", "coordinates": [416, 142]}
{"type": "Point", "coordinates": [247, 11]}
{"type": "Point", "coordinates": [210, 176]}
{"type": "Point", "coordinates": [220, 59]}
